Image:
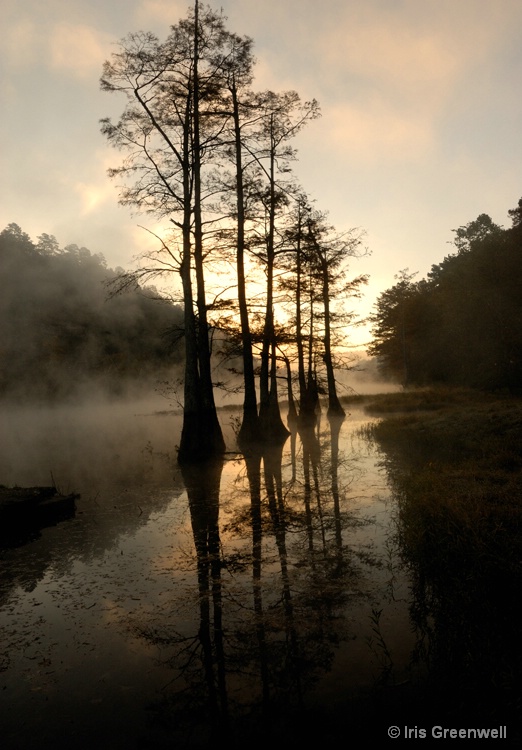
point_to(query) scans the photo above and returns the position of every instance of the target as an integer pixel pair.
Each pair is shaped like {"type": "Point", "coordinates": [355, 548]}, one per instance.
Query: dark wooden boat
{"type": "Point", "coordinates": [24, 511]}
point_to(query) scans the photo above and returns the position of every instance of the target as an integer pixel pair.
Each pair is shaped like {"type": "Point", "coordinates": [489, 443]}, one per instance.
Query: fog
{"type": "Point", "coordinates": [82, 602]}
{"type": "Point", "coordinates": [365, 379]}
{"type": "Point", "coordinates": [90, 396]}
{"type": "Point", "coordinates": [64, 337]}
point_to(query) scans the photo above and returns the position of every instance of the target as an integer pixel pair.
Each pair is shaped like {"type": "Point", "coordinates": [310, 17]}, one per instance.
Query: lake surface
{"type": "Point", "coordinates": [175, 607]}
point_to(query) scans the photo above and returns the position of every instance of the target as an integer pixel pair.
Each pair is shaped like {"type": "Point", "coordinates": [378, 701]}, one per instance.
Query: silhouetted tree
{"type": "Point", "coordinates": [283, 117]}
{"type": "Point", "coordinates": [213, 156]}
{"type": "Point", "coordinates": [462, 324]}
{"type": "Point", "coordinates": [170, 131]}
{"type": "Point", "coordinates": [317, 258]}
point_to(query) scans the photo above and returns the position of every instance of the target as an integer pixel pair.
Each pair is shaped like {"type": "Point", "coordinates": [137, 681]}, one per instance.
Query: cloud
{"type": "Point", "coordinates": [22, 44]}
{"type": "Point", "coordinates": [413, 51]}
{"type": "Point", "coordinates": [376, 132]}
{"type": "Point", "coordinates": [78, 49]}
{"type": "Point", "coordinates": [388, 78]}
{"type": "Point", "coordinates": [94, 189]}
{"type": "Point", "coordinates": [384, 77]}
{"type": "Point", "coordinates": [149, 12]}
{"type": "Point", "coordinates": [47, 42]}
{"type": "Point", "coordinates": [395, 56]}
{"type": "Point", "coordinates": [91, 196]}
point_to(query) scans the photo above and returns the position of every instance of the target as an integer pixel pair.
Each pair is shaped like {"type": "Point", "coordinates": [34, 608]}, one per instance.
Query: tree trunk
{"type": "Point", "coordinates": [298, 318]}
{"type": "Point", "coordinates": [202, 437]}
{"type": "Point", "coordinates": [334, 405]}
{"type": "Point", "coordinates": [310, 399]}
{"type": "Point", "coordinates": [269, 415]}
{"type": "Point", "coordinates": [250, 425]}
{"type": "Point", "coordinates": [276, 430]}
{"type": "Point", "coordinates": [190, 433]}
{"type": "Point", "coordinates": [292, 411]}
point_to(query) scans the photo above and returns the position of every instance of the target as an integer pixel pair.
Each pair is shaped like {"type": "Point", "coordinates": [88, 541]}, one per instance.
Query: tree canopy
{"type": "Point", "coordinates": [463, 324]}
{"type": "Point", "coordinates": [211, 155]}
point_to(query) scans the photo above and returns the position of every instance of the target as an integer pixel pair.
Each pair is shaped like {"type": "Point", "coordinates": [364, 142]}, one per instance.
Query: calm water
{"type": "Point", "coordinates": [176, 605]}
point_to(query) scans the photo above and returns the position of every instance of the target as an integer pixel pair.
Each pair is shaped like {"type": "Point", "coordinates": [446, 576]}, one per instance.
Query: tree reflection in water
{"type": "Point", "coordinates": [203, 486]}
{"type": "Point", "coordinates": [265, 637]}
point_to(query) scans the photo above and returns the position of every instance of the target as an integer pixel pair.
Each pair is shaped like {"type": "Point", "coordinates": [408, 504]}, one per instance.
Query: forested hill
{"type": "Point", "coordinates": [463, 324]}
{"type": "Point", "coordinates": [60, 334]}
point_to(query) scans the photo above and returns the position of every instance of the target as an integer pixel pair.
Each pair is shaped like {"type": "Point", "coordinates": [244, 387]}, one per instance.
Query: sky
{"type": "Point", "coordinates": [420, 130]}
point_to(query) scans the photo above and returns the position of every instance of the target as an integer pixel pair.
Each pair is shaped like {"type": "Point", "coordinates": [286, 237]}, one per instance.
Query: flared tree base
{"type": "Point", "coordinates": [201, 437]}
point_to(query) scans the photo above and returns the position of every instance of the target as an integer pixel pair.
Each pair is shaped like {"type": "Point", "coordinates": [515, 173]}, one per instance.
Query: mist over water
{"type": "Point", "coordinates": [365, 379]}
{"type": "Point", "coordinates": [97, 612]}
{"type": "Point", "coordinates": [97, 442]}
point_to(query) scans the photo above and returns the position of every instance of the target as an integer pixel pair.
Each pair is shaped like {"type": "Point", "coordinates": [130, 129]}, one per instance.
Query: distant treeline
{"type": "Point", "coordinates": [463, 324]}
{"type": "Point", "coordinates": [62, 331]}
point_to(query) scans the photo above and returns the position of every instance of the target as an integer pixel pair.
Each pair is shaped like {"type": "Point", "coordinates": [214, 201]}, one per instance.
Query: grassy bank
{"type": "Point", "coordinates": [454, 461]}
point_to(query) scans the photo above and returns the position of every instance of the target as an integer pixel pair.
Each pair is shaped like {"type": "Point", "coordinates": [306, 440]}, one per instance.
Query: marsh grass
{"type": "Point", "coordinates": [424, 399]}
{"type": "Point", "coordinates": [454, 461]}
